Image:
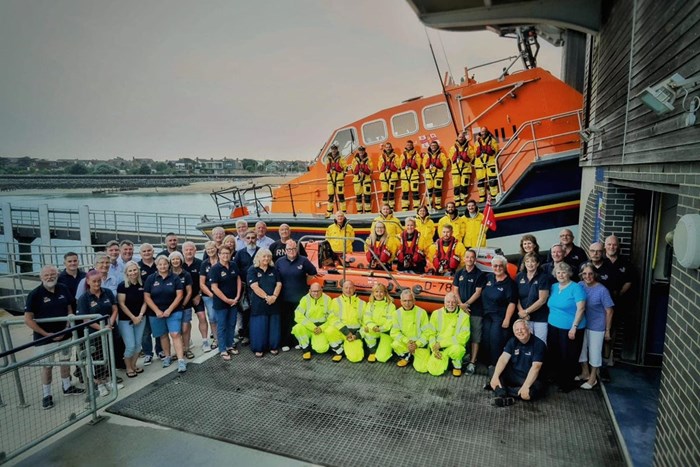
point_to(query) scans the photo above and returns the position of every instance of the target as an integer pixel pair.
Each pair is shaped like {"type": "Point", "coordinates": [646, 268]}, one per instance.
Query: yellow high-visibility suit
{"type": "Point", "coordinates": [335, 183]}
{"type": "Point", "coordinates": [410, 325]}
{"type": "Point", "coordinates": [459, 227]}
{"type": "Point", "coordinates": [411, 165]}
{"type": "Point", "coordinates": [485, 166]}
{"type": "Point", "coordinates": [362, 181]}
{"type": "Point", "coordinates": [426, 227]}
{"type": "Point", "coordinates": [435, 164]}
{"type": "Point", "coordinates": [392, 224]}
{"type": "Point", "coordinates": [346, 318]}
{"type": "Point", "coordinates": [379, 313]}
{"type": "Point", "coordinates": [451, 333]}
{"type": "Point", "coordinates": [310, 314]}
{"type": "Point", "coordinates": [461, 156]}
{"type": "Point", "coordinates": [388, 176]}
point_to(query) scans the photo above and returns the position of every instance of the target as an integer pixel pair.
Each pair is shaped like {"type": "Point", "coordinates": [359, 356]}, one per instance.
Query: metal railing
{"type": "Point", "coordinates": [23, 396]}
{"type": "Point", "coordinates": [532, 144]}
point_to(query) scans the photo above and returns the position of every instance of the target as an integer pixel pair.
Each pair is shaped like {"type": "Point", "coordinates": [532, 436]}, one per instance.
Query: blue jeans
{"type": "Point", "coordinates": [264, 332]}
{"type": "Point", "coordinates": [147, 341]}
{"type": "Point", "coordinates": [132, 335]}
{"type": "Point", "coordinates": [226, 327]}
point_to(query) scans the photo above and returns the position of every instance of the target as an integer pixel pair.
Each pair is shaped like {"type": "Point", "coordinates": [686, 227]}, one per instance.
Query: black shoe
{"type": "Point", "coordinates": [120, 380]}
{"type": "Point", "coordinates": [47, 403]}
{"type": "Point", "coordinates": [73, 391]}
{"type": "Point", "coordinates": [487, 387]}
{"type": "Point", "coordinates": [79, 374]}
{"type": "Point", "coordinates": [605, 374]}
{"type": "Point", "coordinates": [503, 401]}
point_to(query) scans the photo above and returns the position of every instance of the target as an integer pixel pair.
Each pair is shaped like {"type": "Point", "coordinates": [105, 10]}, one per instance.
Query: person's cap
{"type": "Point", "coordinates": [360, 148]}
{"type": "Point", "coordinates": [409, 141]}
{"type": "Point", "coordinates": [334, 146]}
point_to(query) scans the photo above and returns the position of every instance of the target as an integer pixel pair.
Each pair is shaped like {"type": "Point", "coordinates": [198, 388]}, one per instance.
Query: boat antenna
{"type": "Point", "coordinates": [444, 91]}
{"type": "Point", "coordinates": [444, 54]}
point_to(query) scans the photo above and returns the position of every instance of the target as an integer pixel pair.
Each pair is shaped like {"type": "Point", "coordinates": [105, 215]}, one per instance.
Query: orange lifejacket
{"type": "Point", "coordinates": [461, 153]}
{"type": "Point", "coordinates": [379, 249]}
{"type": "Point", "coordinates": [434, 159]}
{"type": "Point", "coordinates": [446, 260]}
{"type": "Point", "coordinates": [410, 255]}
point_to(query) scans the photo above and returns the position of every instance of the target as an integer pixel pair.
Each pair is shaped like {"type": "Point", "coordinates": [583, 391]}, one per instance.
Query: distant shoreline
{"type": "Point", "coordinates": [187, 187]}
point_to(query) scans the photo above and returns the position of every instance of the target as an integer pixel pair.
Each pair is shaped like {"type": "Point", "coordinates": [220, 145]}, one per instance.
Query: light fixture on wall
{"type": "Point", "coordinates": [686, 241]}
{"type": "Point", "coordinates": [661, 96]}
{"type": "Point", "coordinates": [589, 133]}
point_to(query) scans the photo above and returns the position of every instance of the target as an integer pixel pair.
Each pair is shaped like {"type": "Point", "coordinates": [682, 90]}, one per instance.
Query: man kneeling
{"type": "Point", "coordinates": [518, 368]}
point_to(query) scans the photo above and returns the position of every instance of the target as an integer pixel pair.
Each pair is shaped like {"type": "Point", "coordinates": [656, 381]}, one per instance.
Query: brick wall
{"type": "Point", "coordinates": [678, 425]}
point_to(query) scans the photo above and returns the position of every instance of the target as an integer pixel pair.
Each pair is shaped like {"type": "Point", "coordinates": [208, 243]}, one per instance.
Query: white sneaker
{"type": "Point", "coordinates": [286, 348]}
{"type": "Point", "coordinates": [102, 389]}
{"type": "Point", "coordinates": [297, 347]}
{"type": "Point", "coordinates": [205, 347]}
{"type": "Point", "coordinates": [110, 387]}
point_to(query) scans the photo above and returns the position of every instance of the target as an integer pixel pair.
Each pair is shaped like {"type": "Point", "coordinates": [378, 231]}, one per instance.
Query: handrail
{"type": "Point", "coordinates": [353, 240]}
{"type": "Point", "coordinates": [534, 141]}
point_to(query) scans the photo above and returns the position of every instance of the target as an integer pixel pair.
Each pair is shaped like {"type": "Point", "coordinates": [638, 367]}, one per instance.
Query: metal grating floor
{"type": "Point", "coordinates": [346, 414]}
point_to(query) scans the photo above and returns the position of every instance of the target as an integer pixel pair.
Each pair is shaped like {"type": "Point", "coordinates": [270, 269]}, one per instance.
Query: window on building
{"type": "Point", "coordinates": [374, 132]}
{"type": "Point", "coordinates": [436, 116]}
{"type": "Point", "coordinates": [404, 124]}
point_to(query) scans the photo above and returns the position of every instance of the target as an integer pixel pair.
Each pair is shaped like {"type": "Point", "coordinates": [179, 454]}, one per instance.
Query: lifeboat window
{"type": "Point", "coordinates": [374, 132]}
{"type": "Point", "coordinates": [404, 124]}
{"type": "Point", "coordinates": [436, 116]}
{"type": "Point", "coordinates": [346, 139]}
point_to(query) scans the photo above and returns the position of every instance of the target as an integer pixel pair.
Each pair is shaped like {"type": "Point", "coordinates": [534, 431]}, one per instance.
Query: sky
{"type": "Point", "coordinates": [265, 79]}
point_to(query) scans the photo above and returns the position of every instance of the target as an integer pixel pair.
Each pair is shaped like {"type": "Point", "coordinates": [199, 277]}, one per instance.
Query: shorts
{"type": "Point", "coordinates": [209, 303]}
{"type": "Point", "coordinates": [187, 315]}
{"type": "Point", "coordinates": [174, 321]}
{"type": "Point", "coordinates": [158, 326]}
{"type": "Point", "coordinates": [475, 329]}
{"type": "Point", "coordinates": [52, 355]}
{"type": "Point", "coordinates": [592, 349]}
{"type": "Point", "coordinates": [199, 308]}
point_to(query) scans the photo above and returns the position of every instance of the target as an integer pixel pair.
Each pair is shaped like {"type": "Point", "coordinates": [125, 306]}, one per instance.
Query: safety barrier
{"type": "Point", "coordinates": [27, 417]}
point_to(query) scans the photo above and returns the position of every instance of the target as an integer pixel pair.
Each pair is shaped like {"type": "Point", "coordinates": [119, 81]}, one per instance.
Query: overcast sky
{"type": "Point", "coordinates": [182, 78]}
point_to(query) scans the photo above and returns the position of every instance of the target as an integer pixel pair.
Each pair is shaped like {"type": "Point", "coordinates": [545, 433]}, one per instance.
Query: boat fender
{"type": "Point", "coordinates": [417, 289]}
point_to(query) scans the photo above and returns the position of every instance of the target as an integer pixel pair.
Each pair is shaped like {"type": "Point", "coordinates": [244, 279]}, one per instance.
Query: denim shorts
{"type": "Point", "coordinates": [209, 303]}
{"type": "Point", "coordinates": [158, 326]}
{"type": "Point", "coordinates": [174, 321]}
{"type": "Point", "coordinates": [187, 315]}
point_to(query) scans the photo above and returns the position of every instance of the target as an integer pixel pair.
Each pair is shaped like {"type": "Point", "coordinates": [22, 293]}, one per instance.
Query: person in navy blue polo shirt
{"type": "Point", "coordinates": [518, 369]}
{"type": "Point", "coordinates": [193, 265]}
{"type": "Point", "coordinates": [533, 293]}
{"type": "Point", "coordinates": [147, 265]}
{"type": "Point", "coordinates": [244, 260]}
{"type": "Point", "coordinates": [72, 274]}
{"type": "Point", "coordinates": [294, 270]}
{"type": "Point", "coordinates": [163, 293]}
{"type": "Point", "coordinates": [265, 285]}
{"type": "Point", "coordinates": [226, 286]}
{"type": "Point", "coordinates": [50, 300]}
{"type": "Point", "coordinates": [470, 282]}
{"type": "Point", "coordinates": [499, 298]}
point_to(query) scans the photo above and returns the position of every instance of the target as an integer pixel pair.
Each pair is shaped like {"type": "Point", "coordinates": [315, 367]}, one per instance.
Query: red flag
{"type": "Point", "coordinates": [489, 217]}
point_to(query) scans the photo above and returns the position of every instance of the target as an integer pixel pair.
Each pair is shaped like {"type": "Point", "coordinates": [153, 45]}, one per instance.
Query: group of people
{"type": "Point", "coordinates": [405, 170]}
{"type": "Point", "coordinates": [417, 246]}
{"type": "Point", "coordinates": [251, 289]}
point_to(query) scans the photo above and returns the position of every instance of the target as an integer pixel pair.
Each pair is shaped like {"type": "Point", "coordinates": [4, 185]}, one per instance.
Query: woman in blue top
{"type": "Point", "coordinates": [567, 303]}
{"type": "Point", "coordinates": [163, 293]}
{"type": "Point", "coordinates": [132, 311]}
{"type": "Point", "coordinates": [225, 284]}
{"type": "Point", "coordinates": [599, 313]}
{"type": "Point", "coordinates": [498, 299]}
{"type": "Point", "coordinates": [176, 266]}
{"type": "Point", "coordinates": [533, 292]}
{"type": "Point", "coordinates": [97, 300]}
{"type": "Point", "coordinates": [265, 283]}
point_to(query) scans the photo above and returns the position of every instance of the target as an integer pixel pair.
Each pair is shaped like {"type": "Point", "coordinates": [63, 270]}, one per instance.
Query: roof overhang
{"type": "Point", "coordinates": [502, 16]}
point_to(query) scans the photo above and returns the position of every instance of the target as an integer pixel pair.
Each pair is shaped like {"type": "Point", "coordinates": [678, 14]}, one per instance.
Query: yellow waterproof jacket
{"type": "Point", "coordinates": [334, 230]}
{"type": "Point", "coordinates": [379, 313]}
{"type": "Point", "coordinates": [449, 328]}
{"type": "Point", "coordinates": [335, 169]}
{"type": "Point", "coordinates": [361, 169]}
{"type": "Point", "coordinates": [347, 312]}
{"type": "Point", "coordinates": [472, 227]}
{"type": "Point", "coordinates": [392, 224]}
{"type": "Point", "coordinates": [435, 163]}
{"type": "Point", "coordinates": [426, 228]}
{"type": "Point", "coordinates": [411, 325]}
{"type": "Point", "coordinates": [311, 312]}
{"type": "Point", "coordinates": [459, 251]}
{"type": "Point", "coordinates": [459, 227]}
{"type": "Point", "coordinates": [389, 166]}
